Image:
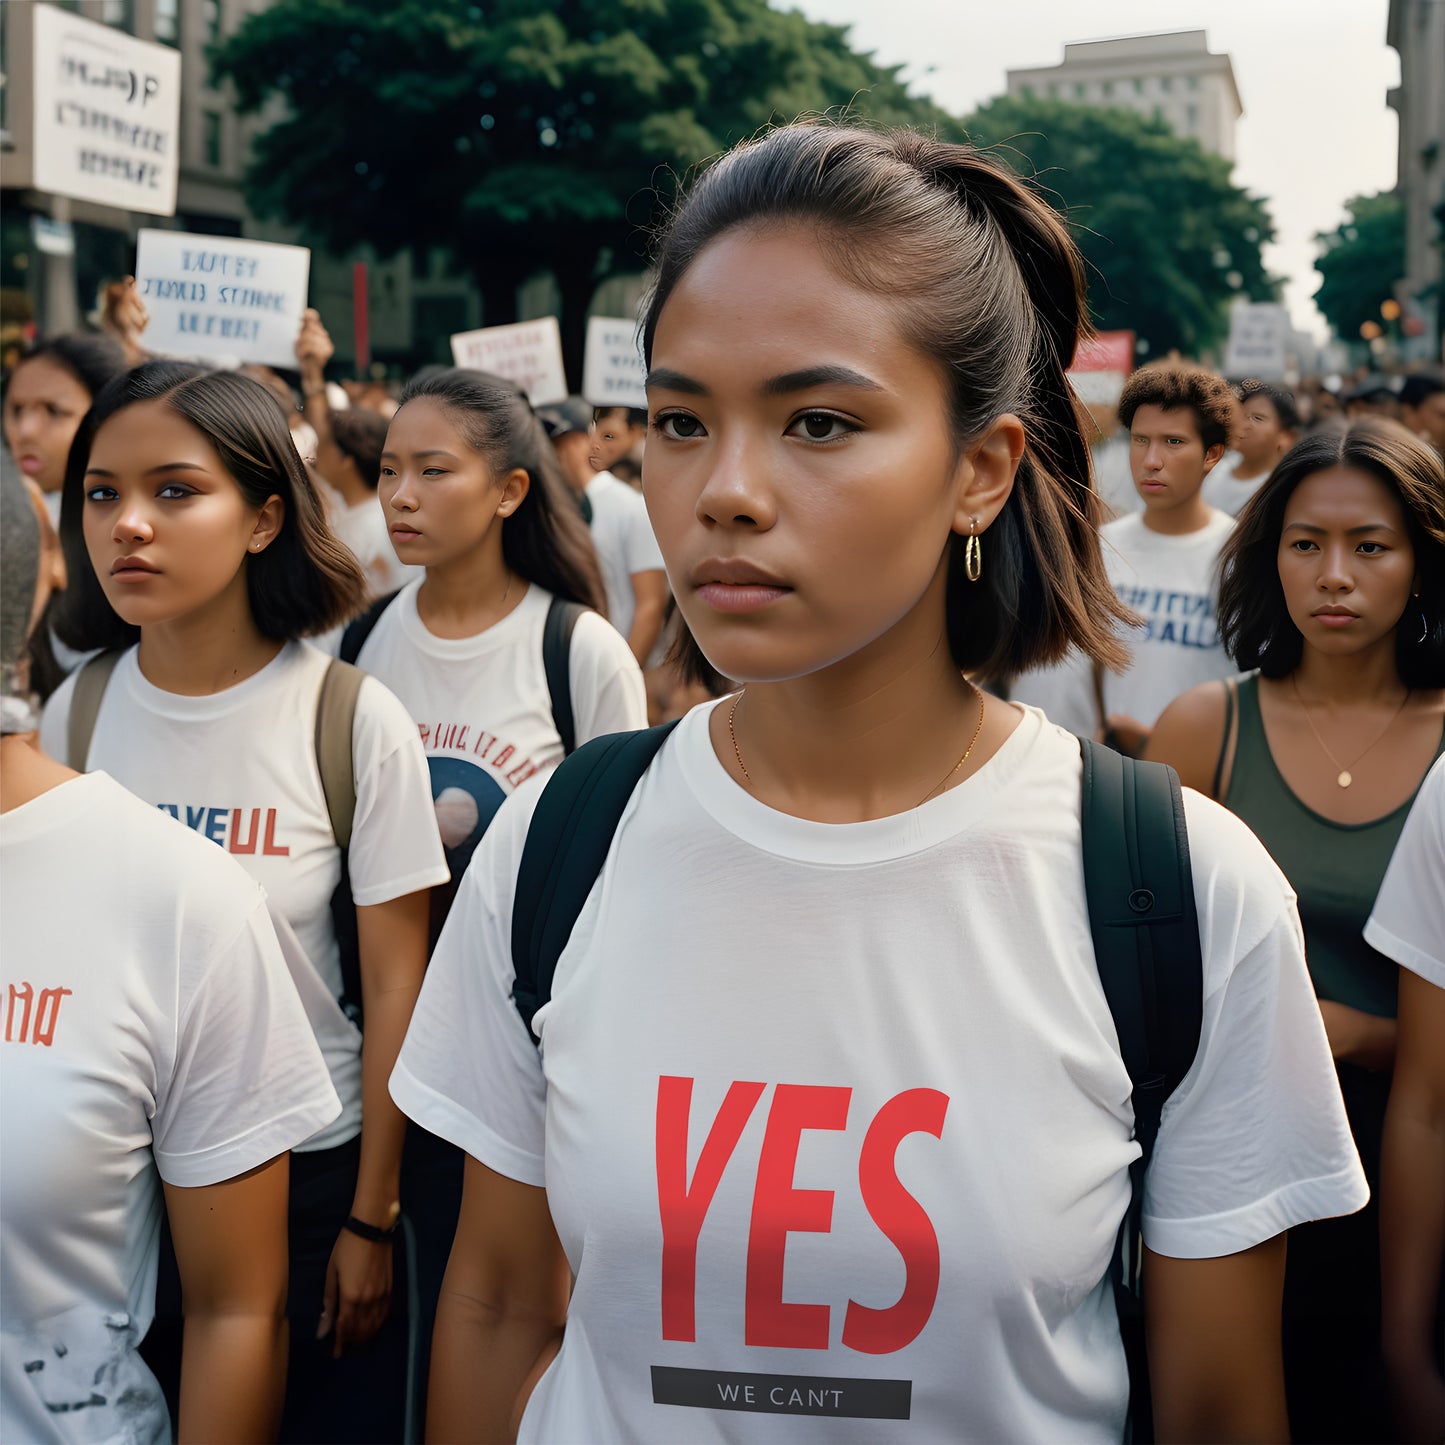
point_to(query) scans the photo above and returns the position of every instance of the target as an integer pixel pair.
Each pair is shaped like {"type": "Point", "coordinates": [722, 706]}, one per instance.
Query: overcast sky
{"type": "Point", "coordinates": [1312, 75]}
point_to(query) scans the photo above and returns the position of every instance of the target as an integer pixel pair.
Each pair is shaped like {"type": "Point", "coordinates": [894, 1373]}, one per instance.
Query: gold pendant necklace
{"type": "Point", "coordinates": [743, 767]}
{"type": "Point", "coordinates": [1346, 777]}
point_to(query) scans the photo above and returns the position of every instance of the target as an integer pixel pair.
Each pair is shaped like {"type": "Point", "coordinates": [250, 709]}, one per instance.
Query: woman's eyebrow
{"type": "Point", "coordinates": [665, 379]}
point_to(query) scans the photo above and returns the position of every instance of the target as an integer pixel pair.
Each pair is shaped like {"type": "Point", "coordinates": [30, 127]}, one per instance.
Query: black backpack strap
{"type": "Point", "coordinates": [85, 699]}
{"type": "Point", "coordinates": [557, 663]}
{"type": "Point", "coordinates": [567, 843]}
{"type": "Point", "coordinates": [335, 720]}
{"type": "Point", "coordinates": [360, 628]}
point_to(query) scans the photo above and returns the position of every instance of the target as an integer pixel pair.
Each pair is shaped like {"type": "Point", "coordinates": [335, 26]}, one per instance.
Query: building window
{"type": "Point", "coordinates": [168, 22]}
{"type": "Point", "coordinates": [211, 136]}
{"type": "Point", "coordinates": [1191, 116]}
{"type": "Point", "coordinates": [118, 13]}
{"type": "Point", "coordinates": [1108, 89]}
{"type": "Point", "coordinates": [1166, 83]}
{"type": "Point", "coordinates": [1080, 90]}
{"type": "Point", "coordinates": [1138, 86]}
{"type": "Point", "coordinates": [1053, 91]}
{"type": "Point", "coordinates": [1193, 82]}
{"type": "Point", "coordinates": [211, 20]}
{"type": "Point", "coordinates": [1027, 90]}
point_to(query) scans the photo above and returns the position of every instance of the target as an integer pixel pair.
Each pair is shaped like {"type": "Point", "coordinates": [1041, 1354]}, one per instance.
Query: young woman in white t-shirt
{"type": "Point", "coordinates": [196, 543]}
{"type": "Point", "coordinates": [470, 491]}
{"type": "Point", "coordinates": [152, 1039]}
{"type": "Point", "coordinates": [826, 1116]}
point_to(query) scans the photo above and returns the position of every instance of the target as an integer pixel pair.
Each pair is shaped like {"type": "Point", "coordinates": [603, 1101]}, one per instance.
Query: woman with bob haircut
{"type": "Point", "coordinates": [1333, 591]}
{"type": "Point", "coordinates": [826, 1115]}
{"type": "Point", "coordinates": [196, 543]}
{"type": "Point", "coordinates": [471, 491]}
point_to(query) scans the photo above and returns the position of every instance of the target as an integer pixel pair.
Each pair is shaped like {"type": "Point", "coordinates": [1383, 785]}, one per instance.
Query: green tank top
{"type": "Point", "coordinates": [1335, 869]}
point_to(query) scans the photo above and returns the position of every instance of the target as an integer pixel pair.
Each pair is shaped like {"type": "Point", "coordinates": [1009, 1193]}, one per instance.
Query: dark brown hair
{"type": "Point", "coordinates": [361, 435]}
{"type": "Point", "coordinates": [1280, 397]}
{"type": "Point", "coordinates": [1173, 385]}
{"type": "Point", "coordinates": [1254, 623]}
{"type": "Point", "coordinates": [545, 540]}
{"type": "Point", "coordinates": [305, 582]}
{"type": "Point", "coordinates": [986, 282]}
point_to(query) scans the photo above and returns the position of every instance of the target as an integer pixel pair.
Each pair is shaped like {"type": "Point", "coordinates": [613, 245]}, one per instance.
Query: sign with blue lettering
{"type": "Point", "coordinates": [613, 372]}
{"type": "Point", "coordinates": [218, 297]}
{"type": "Point", "coordinates": [107, 114]}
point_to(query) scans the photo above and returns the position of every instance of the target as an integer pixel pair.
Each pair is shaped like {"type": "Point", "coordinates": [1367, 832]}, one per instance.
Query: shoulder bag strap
{"type": "Point", "coordinates": [90, 684]}
{"type": "Point", "coordinates": [1226, 745]}
{"type": "Point", "coordinates": [335, 716]}
{"type": "Point", "coordinates": [557, 663]}
{"type": "Point", "coordinates": [567, 843]}
{"type": "Point", "coordinates": [360, 628]}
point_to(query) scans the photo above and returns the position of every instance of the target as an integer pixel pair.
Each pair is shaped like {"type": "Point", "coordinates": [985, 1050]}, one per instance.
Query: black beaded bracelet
{"type": "Point", "coordinates": [369, 1231]}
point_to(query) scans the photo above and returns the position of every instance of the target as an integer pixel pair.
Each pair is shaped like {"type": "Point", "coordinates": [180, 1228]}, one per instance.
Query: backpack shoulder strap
{"type": "Point", "coordinates": [567, 843]}
{"type": "Point", "coordinates": [360, 628]}
{"type": "Point", "coordinates": [90, 685]}
{"type": "Point", "coordinates": [1140, 890]}
{"type": "Point", "coordinates": [335, 714]}
{"type": "Point", "coordinates": [557, 663]}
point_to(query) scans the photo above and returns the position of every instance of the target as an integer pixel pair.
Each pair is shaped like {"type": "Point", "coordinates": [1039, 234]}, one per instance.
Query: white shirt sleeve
{"type": "Point", "coordinates": [1408, 920]}
{"type": "Point", "coordinates": [641, 549]}
{"type": "Point", "coordinates": [468, 1070]}
{"type": "Point", "coordinates": [608, 693]}
{"type": "Point", "coordinates": [1255, 1139]}
{"type": "Point", "coordinates": [395, 846]}
{"type": "Point", "coordinates": [248, 1081]}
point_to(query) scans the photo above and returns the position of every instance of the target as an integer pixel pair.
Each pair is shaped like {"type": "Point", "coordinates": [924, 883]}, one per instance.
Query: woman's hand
{"type": "Point", "coordinates": [314, 347]}
{"type": "Point", "coordinates": [358, 1291]}
{"type": "Point", "coordinates": [1357, 1037]}
{"type": "Point", "coordinates": [124, 315]}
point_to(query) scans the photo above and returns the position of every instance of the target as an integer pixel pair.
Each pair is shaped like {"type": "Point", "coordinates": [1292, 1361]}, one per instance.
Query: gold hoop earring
{"type": "Point", "coordinates": [973, 553]}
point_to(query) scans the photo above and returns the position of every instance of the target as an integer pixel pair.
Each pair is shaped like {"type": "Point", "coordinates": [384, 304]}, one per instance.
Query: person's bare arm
{"type": "Point", "coordinates": [393, 945]}
{"type": "Point", "coordinates": [1412, 1210]}
{"type": "Point", "coordinates": [1216, 1365]}
{"type": "Point", "coordinates": [502, 1310]}
{"type": "Point", "coordinates": [1189, 735]}
{"type": "Point", "coordinates": [314, 348]}
{"type": "Point", "coordinates": [230, 1242]}
{"type": "Point", "coordinates": [649, 592]}
{"type": "Point", "coordinates": [1357, 1037]}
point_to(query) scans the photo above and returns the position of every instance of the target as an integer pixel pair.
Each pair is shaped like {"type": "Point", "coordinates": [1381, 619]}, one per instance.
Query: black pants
{"type": "Point", "coordinates": [361, 1397]}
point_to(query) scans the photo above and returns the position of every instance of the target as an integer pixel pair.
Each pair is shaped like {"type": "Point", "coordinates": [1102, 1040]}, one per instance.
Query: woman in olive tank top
{"type": "Point", "coordinates": [1333, 591]}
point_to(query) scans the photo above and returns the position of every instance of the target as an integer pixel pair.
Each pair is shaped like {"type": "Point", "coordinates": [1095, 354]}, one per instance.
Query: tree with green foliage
{"type": "Point", "coordinates": [1168, 238]}
{"type": "Point", "coordinates": [524, 135]}
{"type": "Point", "coordinates": [1360, 261]}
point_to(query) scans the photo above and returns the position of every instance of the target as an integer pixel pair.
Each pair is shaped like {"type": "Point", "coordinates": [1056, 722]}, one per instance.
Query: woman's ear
{"type": "Point", "coordinates": [515, 486]}
{"type": "Point", "coordinates": [986, 472]}
{"type": "Point", "coordinates": [268, 523]}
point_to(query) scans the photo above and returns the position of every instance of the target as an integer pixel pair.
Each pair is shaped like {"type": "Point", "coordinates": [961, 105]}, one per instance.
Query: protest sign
{"type": "Point", "coordinates": [613, 372]}
{"type": "Point", "coordinates": [528, 353]}
{"type": "Point", "coordinates": [107, 114]}
{"type": "Point", "coordinates": [219, 297]}
{"type": "Point", "coordinates": [1259, 340]}
{"type": "Point", "coordinates": [1101, 367]}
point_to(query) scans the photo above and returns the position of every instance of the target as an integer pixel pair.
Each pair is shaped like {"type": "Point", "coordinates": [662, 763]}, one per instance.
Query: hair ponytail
{"type": "Point", "coordinates": [545, 540]}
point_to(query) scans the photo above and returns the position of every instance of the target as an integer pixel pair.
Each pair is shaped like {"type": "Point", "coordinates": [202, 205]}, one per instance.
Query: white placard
{"type": "Point", "coordinates": [1259, 340]}
{"type": "Point", "coordinates": [220, 297]}
{"type": "Point", "coordinates": [528, 352]}
{"type": "Point", "coordinates": [1098, 388]}
{"type": "Point", "coordinates": [107, 114]}
{"type": "Point", "coordinates": [613, 372]}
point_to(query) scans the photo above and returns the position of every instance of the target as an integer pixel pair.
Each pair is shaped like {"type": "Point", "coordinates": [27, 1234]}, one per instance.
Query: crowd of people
{"type": "Point", "coordinates": [492, 951]}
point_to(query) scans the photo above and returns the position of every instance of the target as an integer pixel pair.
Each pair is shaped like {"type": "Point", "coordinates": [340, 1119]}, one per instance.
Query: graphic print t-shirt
{"type": "Point", "coordinates": [832, 1118]}
{"type": "Point", "coordinates": [150, 1032]}
{"type": "Point", "coordinates": [622, 534]}
{"type": "Point", "coordinates": [482, 708]}
{"type": "Point", "coordinates": [239, 767]}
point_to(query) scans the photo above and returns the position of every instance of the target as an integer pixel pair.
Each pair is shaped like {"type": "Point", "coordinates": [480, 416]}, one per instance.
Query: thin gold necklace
{"type": "Point", "coordinates": [937, 787]}
{"type": "Point", "coordinates": [1346, 777]}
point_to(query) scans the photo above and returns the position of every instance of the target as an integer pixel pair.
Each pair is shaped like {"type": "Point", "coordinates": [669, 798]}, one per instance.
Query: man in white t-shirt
{"type": "Point", "coordinates": [1163, 562]}
{"type": "Point", "coordinates": [1266, 427]}
{"type": "Point", "coordinates": [632, 568]}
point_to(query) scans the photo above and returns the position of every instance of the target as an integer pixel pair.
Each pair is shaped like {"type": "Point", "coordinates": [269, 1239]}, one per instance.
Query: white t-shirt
{"type": "Point", "coordinates": [1227, 493]}
{"type": "Point", "coordinates": [151, 1032]}
{"type": "Point", "coordinates": [1408, 920]}
{"type": "Point", "coordinates": [622, 534]}
{"type": "Point", "coordinates": [240, 768]}
{"type": "Point", "coordinates": [363, 529]}
{"type": "Point", "coordinates": [825, 1135]}
{"type": "Point", "coordinates": [482, 707]}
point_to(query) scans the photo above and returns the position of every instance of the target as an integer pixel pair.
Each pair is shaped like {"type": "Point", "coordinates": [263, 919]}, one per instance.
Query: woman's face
{"type": "Point", "coordinates": [1345, 560]}
{"type": "Point", "coordinates": [440, 496]}
{"type": "Point", "coordinates": [801, 475]}
{"type": "Point", "coordinates": [44, 406]}
{"type": "Point", "coordinates": [166, 527]}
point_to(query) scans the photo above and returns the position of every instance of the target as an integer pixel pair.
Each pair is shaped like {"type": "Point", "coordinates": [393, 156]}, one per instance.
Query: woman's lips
{"type": "Point", "coordinates": [132, 569]}
{"type": "Point", "coordinates": [31, 466]}
{"type": "Point", "coordinates": [1336, 619]}
{"type": "Point", "coordinates": [740, 597]}
{"type": "Point", "coordinates": [404, 534]}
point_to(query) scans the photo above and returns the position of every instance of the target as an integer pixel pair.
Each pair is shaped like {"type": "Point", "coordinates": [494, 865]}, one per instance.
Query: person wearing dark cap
{"type": "Point", "coordinates": [632, 570]}
{"type": "Point", "coordinates": [154, 1042]}
{"type": "Point", "coordinates": [1372, 396]}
